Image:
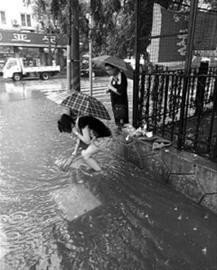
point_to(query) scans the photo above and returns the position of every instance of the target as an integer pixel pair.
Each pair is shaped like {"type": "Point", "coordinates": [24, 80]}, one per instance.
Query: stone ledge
{"type": "Point", "coordinates": [188, 173]}
{"type": "Point", "coordinates": [210, 201]}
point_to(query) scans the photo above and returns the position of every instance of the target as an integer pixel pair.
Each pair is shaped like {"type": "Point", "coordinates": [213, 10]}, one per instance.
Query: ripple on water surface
{"type": "Point", "coordinates": [135, 224]}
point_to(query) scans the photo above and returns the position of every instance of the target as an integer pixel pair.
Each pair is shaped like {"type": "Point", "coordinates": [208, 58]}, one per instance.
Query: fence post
{"type": "Point", "coordinates": [215, 150]}
{"type": "Point", "coordinates": [136, 72]}
{"type": "Point", "coordinates": [199, 99]}
{"type": "Point", "coordinates": [189, 52]}
{"type": "Point", "coordinates": [203, 70]}
{"type": "Point", "coordinates": [213, 153]}
{"type": "Point", "coordinates": [141, 98]}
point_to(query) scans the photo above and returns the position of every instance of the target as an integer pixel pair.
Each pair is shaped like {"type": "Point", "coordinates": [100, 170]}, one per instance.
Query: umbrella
{"type": "Point", "coordinates": [58, 96]}
{"type": "Point", "coordinates": [86, 105]}
{"type": "Point", "coordinates": [115, 61]}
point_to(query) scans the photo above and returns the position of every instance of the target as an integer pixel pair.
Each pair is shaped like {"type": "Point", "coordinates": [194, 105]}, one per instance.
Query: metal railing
{"type": "Point", "coordinates": [160, 101]}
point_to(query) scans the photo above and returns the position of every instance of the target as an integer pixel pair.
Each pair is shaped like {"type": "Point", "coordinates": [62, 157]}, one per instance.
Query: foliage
{"type": "Point", "coordinates": [185, 4]}
{"type": "Point", "coordinates": [113, 31]}
{"type": "Point", "coordinates": [212, 3]}
{"type": "Point", "coordinates": [52, 14]}
{"type": "Point", "coordinates": [115, 23]}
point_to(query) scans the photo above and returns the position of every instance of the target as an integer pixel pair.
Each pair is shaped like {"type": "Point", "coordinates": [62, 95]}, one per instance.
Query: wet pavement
{"type": "Point", "coordinates": [121, 219]}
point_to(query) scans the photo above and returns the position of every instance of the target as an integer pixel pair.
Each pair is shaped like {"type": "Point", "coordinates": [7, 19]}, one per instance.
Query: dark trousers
{"type": "Point", "coordinates": [120, 112]}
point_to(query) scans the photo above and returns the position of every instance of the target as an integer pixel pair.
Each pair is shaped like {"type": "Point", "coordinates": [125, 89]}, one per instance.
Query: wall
{"type": "Point", "coordinates": [13, 9]}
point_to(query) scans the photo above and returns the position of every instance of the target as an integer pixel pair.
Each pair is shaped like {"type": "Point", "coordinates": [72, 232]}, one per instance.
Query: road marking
{"type": "Point", "coordinates": [56, 94]}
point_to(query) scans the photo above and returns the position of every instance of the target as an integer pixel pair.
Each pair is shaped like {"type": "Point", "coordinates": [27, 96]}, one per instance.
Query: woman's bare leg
{"type": "Point", "coordinates": [87, 153]}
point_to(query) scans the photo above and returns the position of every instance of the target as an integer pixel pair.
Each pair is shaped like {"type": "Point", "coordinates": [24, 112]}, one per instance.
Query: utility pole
{"type": "Point", "coordinates": [75, 49]}
{"type": "Point", "coordinates": [136, 72]}
{"type": "Point", "coordinates": [49, 41]}
{"type": "Point", "coordinates": [90, 25]}
{"type": "Point", "coordinates": [189, 53]}
{"type": "Point", "coordinates": [68, 59]}
{"type": "Point", "coordinates": [190, 40]}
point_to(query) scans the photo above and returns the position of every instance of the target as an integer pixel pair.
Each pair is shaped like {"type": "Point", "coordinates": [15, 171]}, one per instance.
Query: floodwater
{"type": "Point", "coordinates": [121, 219]}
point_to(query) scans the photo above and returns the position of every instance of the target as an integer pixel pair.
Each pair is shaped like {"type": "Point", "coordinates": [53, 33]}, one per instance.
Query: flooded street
{"type": "Point", "coordinates": [119, 220]}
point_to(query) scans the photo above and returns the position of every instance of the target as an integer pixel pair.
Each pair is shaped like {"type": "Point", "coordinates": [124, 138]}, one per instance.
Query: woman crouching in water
{"type": "Point", "coordinates": [90, 131]}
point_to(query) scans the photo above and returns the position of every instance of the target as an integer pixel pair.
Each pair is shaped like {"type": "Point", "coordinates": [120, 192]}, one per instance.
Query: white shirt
{"type": "Point", "coordinates": [114, 80]}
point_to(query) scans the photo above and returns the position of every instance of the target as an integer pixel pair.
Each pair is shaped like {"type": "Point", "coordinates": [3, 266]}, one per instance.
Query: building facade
{"type": "Point", "coordinates": [15, 15]}
{"type": "Point", "coordinates": [21, 35]}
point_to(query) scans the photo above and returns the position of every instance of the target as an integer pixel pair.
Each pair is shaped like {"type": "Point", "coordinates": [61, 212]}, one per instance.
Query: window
{"type": "Point", "coordinates": [2, 17]}
{"type": "Point", "coordinates": [25, 19]}
{"type": "Point", "coordinates": [28, 20]}
{"type": "Point", "coordinates": [11, 63]}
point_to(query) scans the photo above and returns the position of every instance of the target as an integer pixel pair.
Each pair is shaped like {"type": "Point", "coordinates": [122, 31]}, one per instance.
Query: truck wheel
{"type": "Point", "coordinates": [17, 77]}
{"type": "Point", "coordinates": [45, 76]}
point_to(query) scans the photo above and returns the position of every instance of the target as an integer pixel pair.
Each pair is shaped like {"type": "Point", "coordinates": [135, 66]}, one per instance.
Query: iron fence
{"type": "Point", "coordinates": [160, 101]}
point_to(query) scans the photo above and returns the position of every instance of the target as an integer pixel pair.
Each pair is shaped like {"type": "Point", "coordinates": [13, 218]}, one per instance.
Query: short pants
{"type": "Point", "coordinates": [102, 142]}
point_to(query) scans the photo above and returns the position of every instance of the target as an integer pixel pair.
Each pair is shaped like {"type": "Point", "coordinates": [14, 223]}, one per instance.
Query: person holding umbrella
{"type": "Point", "coordinates": [91, 131]}
{"type": "Point", "coordinates": [119, 70]}
{"type": "Point", "coordinates": [118, 93]}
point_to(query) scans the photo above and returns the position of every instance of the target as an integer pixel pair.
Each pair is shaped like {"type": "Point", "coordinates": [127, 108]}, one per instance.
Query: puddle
{"type": "Point", "coordinates": [119, 220]}
{"type": "Point", "coordinates": [75, 201]}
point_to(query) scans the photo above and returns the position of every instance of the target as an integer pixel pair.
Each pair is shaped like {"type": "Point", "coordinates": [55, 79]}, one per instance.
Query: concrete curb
{"type": "Point", "coordinates": [187, 173]}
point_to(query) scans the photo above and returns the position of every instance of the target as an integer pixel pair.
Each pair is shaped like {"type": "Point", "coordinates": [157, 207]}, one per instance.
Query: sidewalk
{"type": "Point", "coordinates": [140, 224]}
{"type": "Point", "coordinates": [188, 173]}
{"type": "Point", "coordinates": [123, 219]}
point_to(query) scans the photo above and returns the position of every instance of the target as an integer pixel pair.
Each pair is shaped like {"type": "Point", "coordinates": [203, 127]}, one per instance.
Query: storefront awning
{"type": "Point", "coordinates": [26, 39]}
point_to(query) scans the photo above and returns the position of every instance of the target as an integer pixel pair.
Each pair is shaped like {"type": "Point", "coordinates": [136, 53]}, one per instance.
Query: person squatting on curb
{"type": "Point", "coordinates": [90, 130]}
{"type": "Point", "coordinates": [118, 92]}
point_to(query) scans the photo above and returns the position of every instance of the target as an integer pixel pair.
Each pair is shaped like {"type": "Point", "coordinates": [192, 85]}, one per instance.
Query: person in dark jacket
{"type": "Point", "coordinates": [91, 131]}
{"type": "Point", "coordinates": [118, 92]}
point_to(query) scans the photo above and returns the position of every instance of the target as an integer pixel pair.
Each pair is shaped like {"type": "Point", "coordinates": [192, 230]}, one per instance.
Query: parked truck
{"type": "Point", "coordinates": [15, 69]}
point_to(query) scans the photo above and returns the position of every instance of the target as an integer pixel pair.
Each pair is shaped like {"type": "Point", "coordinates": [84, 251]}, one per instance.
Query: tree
{"type": "Point", "coordinates": [115, 25]}
{"type": "Point", "coordinates": [212, 4]}
{"type": "Point", "coordinates": [49, 25]}
{"type": "Point", "coordinates": [114, 22]}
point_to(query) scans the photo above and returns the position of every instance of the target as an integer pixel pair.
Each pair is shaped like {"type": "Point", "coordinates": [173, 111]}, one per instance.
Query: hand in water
{"type": "Point", "coordinates": [64, 163]}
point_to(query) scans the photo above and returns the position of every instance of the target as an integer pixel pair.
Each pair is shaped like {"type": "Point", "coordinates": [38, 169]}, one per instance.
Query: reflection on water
{"type": "Point", "coordinates": [12, 91]}
{"type": "Point", "coordinates": [30, 183]}
{"type": "Point", "coordinates": [140, 226]}
{"type": "Point", "coordinates": [74, 201]}
{"type": "Point", "coordinates": [29, 143]}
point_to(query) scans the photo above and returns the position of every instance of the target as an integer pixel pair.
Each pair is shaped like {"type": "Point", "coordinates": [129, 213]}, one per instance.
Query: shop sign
{"type": "Point", "coordinates": [15, 38]}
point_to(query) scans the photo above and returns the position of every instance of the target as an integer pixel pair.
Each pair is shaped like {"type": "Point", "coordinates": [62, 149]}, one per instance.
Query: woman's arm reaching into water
{"type": "Point", "coordinates": [76, 147]}
{"type": "Point", "coordinates": [85, 136]}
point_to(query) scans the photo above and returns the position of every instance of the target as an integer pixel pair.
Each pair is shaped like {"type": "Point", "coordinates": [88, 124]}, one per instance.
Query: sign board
{"type": "Point", "coordinates": [170, 46]}
{"type": "Point", "coordinates": [28, 39]}
{"type": "Point", "coordinates": [167, 47]}
{"type": "Point", "coordinates": [206, 31]}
